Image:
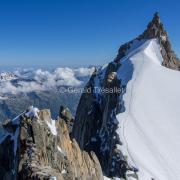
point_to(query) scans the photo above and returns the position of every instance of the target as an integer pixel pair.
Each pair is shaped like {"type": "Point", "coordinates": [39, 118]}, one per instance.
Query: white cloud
{"type": "Point", "coordinates": [40, 80]}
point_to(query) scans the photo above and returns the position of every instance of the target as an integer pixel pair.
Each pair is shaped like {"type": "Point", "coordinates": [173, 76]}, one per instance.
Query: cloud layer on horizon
{"type": "Point", "coordinates": [29, 80]}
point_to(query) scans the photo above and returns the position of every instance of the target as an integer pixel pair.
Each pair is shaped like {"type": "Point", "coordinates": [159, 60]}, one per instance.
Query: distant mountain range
{"type": "Point", "coordinates": [7, 76]}
{"type": "Point", "coordinates": [42, 88]}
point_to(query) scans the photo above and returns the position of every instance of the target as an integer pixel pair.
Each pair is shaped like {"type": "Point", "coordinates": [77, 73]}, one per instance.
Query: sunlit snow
{"type": "Point", "coordinates": [150, 125]}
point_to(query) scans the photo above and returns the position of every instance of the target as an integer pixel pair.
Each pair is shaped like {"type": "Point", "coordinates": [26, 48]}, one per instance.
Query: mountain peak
{"type": "Point", "coordinates": [155, 30]}
{"type": "Point", "coordinates": [156, 17]}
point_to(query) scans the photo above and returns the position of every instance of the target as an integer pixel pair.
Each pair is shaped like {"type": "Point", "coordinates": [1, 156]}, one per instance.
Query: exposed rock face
{"type": "Point", "coordinates": [95, 122]}
{"type": "Point", "coordinates": [8, 147]}
{"type": "Point", "coordinates": [155, 29]}
{"type": "Point", "coordinates": [66, 115]}
{"type": "Point", "coordinates": [7, 160]}
{"type": "Point", "coordinates": [45, 151]}
{"type": "Point", "coordinates": [96, 117]}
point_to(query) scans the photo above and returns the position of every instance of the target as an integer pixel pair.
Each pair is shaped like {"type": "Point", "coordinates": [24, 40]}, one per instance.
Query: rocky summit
{"type": "Point", "coordinates": [155, 29]}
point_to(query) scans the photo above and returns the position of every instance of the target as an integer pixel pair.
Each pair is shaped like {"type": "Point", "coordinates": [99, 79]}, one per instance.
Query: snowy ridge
{"type": "Point", "coordinates": [149, 127]}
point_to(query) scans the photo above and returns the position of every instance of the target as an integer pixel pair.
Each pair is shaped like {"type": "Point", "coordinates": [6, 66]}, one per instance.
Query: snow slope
{"type": "Point", "coordinates": [150, 125]}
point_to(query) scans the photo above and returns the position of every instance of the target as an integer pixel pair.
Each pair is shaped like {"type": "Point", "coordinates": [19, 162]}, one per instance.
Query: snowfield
{"type": "Point", "coordinates": [150, 126]}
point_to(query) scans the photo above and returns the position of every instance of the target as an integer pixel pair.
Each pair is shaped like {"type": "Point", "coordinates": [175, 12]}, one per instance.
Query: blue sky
{"type": "Point", "coordinates": [77, 32]}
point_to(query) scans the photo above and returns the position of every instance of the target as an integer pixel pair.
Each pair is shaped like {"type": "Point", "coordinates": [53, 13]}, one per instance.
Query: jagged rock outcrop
{"type": "Point", "coordinates": [96, 112]}
{"type": "Point", "coordinates": [97, 119]}
{"type": "Point", "coordinates": [155, 29]}
{"type": "Point", "coordinates": [45, 151]}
